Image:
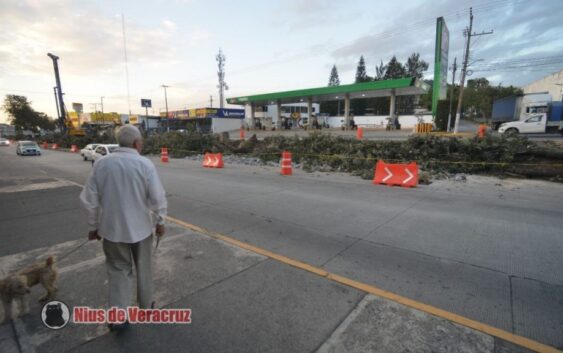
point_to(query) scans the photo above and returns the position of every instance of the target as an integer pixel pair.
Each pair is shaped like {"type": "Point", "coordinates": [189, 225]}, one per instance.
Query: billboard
{"type": "Point", "coordinates": [440, 86]}
{"type": "Point", "coordinates": [78, 107]}
{"type": "Point", "coordinates": [225, 113]}
{"type": "Point", "coordinates": [203, 113]}
{"type": "Point", "coordinates": [107, 118]}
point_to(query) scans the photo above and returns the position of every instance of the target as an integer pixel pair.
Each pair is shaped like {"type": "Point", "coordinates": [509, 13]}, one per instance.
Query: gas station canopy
{"type": "Point", "coordinates": [385, 88]}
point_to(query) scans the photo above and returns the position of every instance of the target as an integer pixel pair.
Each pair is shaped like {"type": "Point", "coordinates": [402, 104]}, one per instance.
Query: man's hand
{"type": "Point", "coordinates": [93, 235]}
{"type": "Point", "coordinates": [160, 230]}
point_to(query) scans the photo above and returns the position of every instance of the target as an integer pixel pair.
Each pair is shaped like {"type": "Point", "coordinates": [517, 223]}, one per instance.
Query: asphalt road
{"type": "Point", "coordinates": [488, 250]}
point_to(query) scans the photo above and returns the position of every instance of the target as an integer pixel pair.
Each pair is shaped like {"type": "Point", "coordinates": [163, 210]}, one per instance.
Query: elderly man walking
{"type": "Point", "coordinates": [124, 200]}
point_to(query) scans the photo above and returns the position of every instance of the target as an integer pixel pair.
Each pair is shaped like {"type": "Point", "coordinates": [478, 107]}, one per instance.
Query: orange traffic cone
{"type": "Point", "coordinates": [360, 133]}
{"type": "Point", "coordinates": [286, 168]}
{"type": "Point", "coordinates": [55, 146]}
{"type": "Point", "coordinates": [164, 155]}
{"type": "Point", "coordinates": [241, 133]}
{"type": "Point", "coordinates": [73, 148]}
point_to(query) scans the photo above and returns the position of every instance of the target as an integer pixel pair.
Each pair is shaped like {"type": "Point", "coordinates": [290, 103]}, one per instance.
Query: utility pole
{"type": "Point", "coordinates": [454, 68]}
{"type": "Point", "coordinates": [102, 103]}
{"type": "Point", "coordinates": [210, 101]}
{"type": "Point", "coordinates": [59, 92]}
{"type": "Point", "coordinates": [221, 75]}
{"type": "Point", "coordinates": [468, 34]}
{"type": "Point", "coordinates": [166, 102]}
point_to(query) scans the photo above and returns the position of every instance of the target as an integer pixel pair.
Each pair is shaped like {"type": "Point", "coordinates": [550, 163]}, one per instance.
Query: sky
{"type": "Point", "coordinates": [269, 45]}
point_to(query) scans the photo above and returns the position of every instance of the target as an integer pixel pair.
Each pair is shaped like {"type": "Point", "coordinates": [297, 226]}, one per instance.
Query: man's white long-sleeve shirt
{"type": "Point", "coordinates": [120, 194]}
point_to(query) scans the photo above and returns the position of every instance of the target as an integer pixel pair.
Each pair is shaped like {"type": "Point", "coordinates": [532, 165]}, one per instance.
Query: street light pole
{"type": "Point", "coordinates": [102, 103]}
{"type": "Point", "coordinates": [166, 103]}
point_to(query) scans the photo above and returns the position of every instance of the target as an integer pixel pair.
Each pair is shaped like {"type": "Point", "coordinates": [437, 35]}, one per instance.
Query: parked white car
{"type": "Point", "coordinates": [4, 142]}
{"type": "Point", "coordinates": [102, 150]}
{"type": "Point", "coordinates": [87, 151]}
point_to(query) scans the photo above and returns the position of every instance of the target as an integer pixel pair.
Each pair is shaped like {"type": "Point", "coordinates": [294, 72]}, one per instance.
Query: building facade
{"type": "Point", "coordinates": [552, 84]}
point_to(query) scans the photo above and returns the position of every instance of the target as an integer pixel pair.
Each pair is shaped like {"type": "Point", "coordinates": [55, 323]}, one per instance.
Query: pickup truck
{"type": "Point", "coordinates": [516, 108]}
{"type": "Point", "coordinates": [533, 124]}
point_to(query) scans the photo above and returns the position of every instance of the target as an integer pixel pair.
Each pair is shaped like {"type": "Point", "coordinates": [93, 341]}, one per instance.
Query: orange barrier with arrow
{"type": "Point", "coordinates": [396, 174]}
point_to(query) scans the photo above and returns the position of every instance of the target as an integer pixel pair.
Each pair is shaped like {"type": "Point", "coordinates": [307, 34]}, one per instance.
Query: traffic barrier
{"type": "Point", "coordinates": [396, 174]}
{"type": "Point", "coordinates": [45, 145]}
{"type": "Point", "coordinates": [213, 160]}
{"type": "Point", "coordinates": [423, 128]}
{"type": "Point", "coordinates": [55, 146]}
{"type": "Point", "coordinates": [482, 131]}
{"type": "Point", "coordinates": [286, 168]}
{"type": "Point", "coordinates": [241, 133]}
{"type": "Point", "coordinates": [164, 155]}
{"type": "Point", "coordinates": [360, 133]}
{"type": "Point", "coordinates": [73, 148]}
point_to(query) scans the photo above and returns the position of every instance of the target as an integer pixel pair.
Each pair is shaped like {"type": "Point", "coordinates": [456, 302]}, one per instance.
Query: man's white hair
{"type": "Point", "coordinates": [127, 134]}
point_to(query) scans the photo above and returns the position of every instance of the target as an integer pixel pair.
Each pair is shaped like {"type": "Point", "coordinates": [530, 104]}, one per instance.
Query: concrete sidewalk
{"type": "Point", "coordinates": [240, 301]}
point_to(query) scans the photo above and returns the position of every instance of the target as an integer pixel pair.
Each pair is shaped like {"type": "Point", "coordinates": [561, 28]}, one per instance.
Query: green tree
{"type": "Point", "coordinates": [361, 73]}
{"type": "Point", "coordinates": [479, 97]}
{"type": "Point", "coordinates": [394, 69]}
{"type": "Point", "coordinates": [359, 105]}
{"type": "Point", "coordinates": [331, 107]}
{"type": "Point", "coordinates": [380, 71]}
{"type": "Point", "coordinates": [24, 117]}
{"type": "Point", "coordinates": [334, 80]}
{"type": "Point", "coordinates": [415, 66]}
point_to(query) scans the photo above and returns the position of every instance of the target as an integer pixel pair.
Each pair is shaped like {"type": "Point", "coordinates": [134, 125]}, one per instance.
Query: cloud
{"type": "Point", "coordinates": [198, 36]}
{"type": "Point", "coordinates": [87, 40]}
{"type": "Point", "coordinates": [520, 29]}
{"type": "Point", "coordinates": [299, 15]}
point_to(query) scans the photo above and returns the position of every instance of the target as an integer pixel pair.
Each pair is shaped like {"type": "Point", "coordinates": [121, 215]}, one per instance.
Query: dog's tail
{"type": "Point", "coordinates": [50, 261]}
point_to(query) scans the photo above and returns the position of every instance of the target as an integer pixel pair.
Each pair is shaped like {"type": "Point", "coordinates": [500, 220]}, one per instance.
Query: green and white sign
{"type": "Point", "coordinates": [440, 87]}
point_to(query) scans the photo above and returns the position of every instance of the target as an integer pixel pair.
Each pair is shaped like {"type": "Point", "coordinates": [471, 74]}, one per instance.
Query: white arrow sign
{"type": "Point", "coordinates": [389, 174]}
{"type": "Point", "coordinates": [411, 175]}
{"type": "Point", "coordinates": [215, 162]}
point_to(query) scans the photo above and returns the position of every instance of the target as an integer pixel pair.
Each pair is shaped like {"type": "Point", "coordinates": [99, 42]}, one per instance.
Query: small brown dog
{"type": "Point", "coordinates": [16, 287]}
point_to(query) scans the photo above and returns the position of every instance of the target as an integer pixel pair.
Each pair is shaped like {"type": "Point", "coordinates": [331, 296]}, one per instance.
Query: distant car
{"type": "Point", "coordinates": [87, 151]}
{"type": "Point", "coordinates": [102, 150]}
{"type": "Point", "coordinates": [27, 148]}
{"type": "Point", "coordinates": [4, 142]}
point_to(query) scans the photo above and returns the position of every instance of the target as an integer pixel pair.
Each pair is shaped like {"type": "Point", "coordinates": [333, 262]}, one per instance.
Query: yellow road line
{"type": "Point", "coordinates": [458, 319]}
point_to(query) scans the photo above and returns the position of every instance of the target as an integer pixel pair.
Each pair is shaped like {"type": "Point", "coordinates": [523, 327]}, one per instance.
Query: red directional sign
{"type": "Point", "coordinates": [213, 160]}
{"type": "Point", "coordinates": [396, 174]}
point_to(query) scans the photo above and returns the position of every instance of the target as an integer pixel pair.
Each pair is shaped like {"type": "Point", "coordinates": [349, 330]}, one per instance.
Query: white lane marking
{"type": "Point", "coordinates": [38, 186]}
{"type": "Point", "coordinates": [411, 175]}
{"type": "Point", "coordinates": [389, 174]}
{"type": "Point", "coordinates": [70, 182]}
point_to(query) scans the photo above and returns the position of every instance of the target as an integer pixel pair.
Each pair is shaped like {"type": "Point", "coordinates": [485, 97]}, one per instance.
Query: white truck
{"type": "Point", "coordinates": [530, 113]}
